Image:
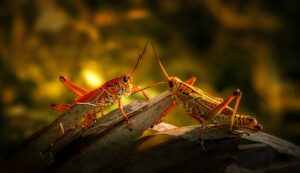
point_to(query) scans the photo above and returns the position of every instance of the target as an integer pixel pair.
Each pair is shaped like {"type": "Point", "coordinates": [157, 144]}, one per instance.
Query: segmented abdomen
{"type": "Point", "coordinates": [239, 120]}
{"type": "Point", "coordinates": [199, 107]}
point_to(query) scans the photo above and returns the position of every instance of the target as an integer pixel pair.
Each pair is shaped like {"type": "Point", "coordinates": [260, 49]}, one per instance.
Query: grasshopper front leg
{"type": "Point", "coordinates": [137, 89]}
{"type": "Point", "coordinates": [190, 81]}
{"type": "Point", "coordinates": [202, 123]}
{"type": "Point", "coordinates": [124, 114]}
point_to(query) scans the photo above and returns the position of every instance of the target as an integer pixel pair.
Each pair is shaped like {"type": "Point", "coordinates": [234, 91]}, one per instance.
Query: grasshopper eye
{"type": "Point", "coordinates": [171, 84]}
{"type": "Point", "coordinates": [125, 79]}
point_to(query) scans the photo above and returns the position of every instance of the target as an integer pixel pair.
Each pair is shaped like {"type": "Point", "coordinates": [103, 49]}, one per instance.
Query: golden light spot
{"type": "Point", "coordinates": [92, 78]}
{"type": "Point", "coordinates": [91, 74]}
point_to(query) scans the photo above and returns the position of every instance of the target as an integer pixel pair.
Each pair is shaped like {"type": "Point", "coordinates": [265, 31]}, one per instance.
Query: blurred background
{"type": "Point", "coordinates": [251, 45]}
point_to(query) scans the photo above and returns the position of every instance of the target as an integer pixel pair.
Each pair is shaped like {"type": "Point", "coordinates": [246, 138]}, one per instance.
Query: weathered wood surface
{"type": "Point", "coordinates": [108, 146]}
{"type": "Point", "coordinates": [268, 154]}
{"type": "Point", "coordinates": [192, 133]}
{"type": "Point", "coordinates": [110, 131]}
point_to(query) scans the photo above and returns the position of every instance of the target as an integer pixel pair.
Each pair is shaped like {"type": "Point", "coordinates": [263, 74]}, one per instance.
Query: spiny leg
{"type": "Point", "coordinates": [124, 114]}
{"type": "Point", "coordinates": [194, 113]}
{"type": "Point", "coordinates": [76, 89]}
{"type": "Point", "coordinates": [86, 122]}
{"type": "Point", "coordinates": [137, 89]}
{"type": "Point", "coordinates": [90, 115]}
{"type": "Point", "coordinates": [238, 94]}
{"type": "Point", "coordinates": [101, 115]}
{"type": "Point", "coordinates": [220, 107]}
{"type": "Point", "coordinates": [87, 117]}
{"type": "Point", "coordinates": [201, 136]}
{"type": "Point", "coordinates": [169, 109]}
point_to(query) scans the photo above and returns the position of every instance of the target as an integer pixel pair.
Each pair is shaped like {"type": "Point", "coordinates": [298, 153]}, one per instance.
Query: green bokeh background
{"type": "Point", "coordinates": [251, 45]}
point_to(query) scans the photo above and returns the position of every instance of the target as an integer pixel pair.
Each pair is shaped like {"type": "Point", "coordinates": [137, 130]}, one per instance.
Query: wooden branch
{"type": "Point", "coordinates": [190, 133]}
{"type": "Point", "coordinates": [180, 154]}
{"type": "Point", "coordinates": [278, 144]}
{"type": "Point", "coordinates": [109, 146]}
{"type": "Point", "coordinates": [50, 145]}
{"type": "Point", "coordinates": [183, 153]}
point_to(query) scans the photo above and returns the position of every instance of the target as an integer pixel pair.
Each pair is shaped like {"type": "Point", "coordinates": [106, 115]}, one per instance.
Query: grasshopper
{"type": "Point", "coordinates": [104, 96]}
{"type": "Point", "coordinates": [203, 106]}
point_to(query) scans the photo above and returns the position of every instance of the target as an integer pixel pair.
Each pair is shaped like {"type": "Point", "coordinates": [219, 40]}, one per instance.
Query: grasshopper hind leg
{"type": "Point", "coordinates": [237, 94]}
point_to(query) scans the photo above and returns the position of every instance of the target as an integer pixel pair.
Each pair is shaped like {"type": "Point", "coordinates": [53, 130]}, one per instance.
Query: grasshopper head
{"type": "Point", "coordinates": [173, 83]}
{"type": "Point", "coordinates": [127, 81]}
{"type": "Point", "coordinates": [253, 125]}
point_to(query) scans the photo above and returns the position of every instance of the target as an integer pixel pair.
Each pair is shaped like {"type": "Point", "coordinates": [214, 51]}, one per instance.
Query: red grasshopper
{"type": "Point", "coordinates": [104, 96]}
{"type": "Point", "coordinates": [203, 107]}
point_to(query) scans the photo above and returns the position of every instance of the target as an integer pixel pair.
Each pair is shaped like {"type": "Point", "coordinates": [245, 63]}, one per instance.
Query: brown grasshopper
{"type": "Point", "coordinates": [203, 106]}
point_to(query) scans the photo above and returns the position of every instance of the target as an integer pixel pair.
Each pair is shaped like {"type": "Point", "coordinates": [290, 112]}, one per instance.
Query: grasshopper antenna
{"type": "Point", "coordinates": [138, 61]}
{"type": "Point", "coordinates": [153, 85]}
{"type": "Point", "coordinates": [160, 64]}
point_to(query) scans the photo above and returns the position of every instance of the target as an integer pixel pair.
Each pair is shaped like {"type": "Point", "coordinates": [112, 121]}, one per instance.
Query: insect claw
{"type": "Point", "coordinates": [95, 120]}
{"type": "Point", "coordinates": [130, 127]}
{"type": "Point", "coordinates": [85, 127]}
{"type": "Point", "coordinates": [240, 133]}
{"type": "Point", "coordinates": [202, 145]}
{"type": "Point", "coordinates": [156, 122]}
